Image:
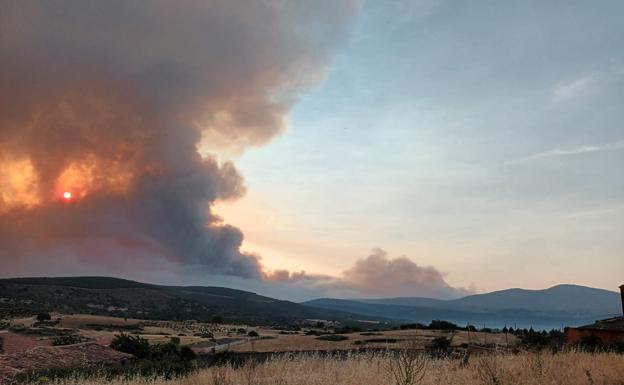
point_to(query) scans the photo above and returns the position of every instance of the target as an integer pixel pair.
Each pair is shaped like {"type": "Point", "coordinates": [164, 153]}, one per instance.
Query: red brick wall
{"type": "Point", "coordinates": [573, 335]}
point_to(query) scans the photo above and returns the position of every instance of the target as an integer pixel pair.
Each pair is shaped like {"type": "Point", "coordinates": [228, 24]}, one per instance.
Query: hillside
{"type": "Point", "coordinates": [567, 298]}
{"type": "Point", "coordinates": [124, 298]}
{"type": "Point", "coordinates": [566, 305]}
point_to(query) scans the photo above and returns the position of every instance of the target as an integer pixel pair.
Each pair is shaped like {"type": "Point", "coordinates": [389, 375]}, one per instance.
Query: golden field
{"type": "Point", "coordinates": [569, 368]}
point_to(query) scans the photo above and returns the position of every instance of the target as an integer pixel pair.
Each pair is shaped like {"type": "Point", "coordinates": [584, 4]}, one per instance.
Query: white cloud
{"type": "Point", "coordinates": [570, 89]}
{"type": "Point", "coordinates": [619, 145]}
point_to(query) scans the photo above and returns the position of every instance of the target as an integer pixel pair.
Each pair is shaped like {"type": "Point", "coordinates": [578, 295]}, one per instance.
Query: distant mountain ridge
{"type": "Point", "coordinates": [560, 297]}
{"type": "Point", "coordinates": [559, 305]}
{"type": "Point", "coordinates": [125, 298]}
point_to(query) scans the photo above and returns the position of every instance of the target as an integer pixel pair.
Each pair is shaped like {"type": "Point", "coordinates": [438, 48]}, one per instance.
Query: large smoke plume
{"type": "Point", "coordinates": [121, 103]}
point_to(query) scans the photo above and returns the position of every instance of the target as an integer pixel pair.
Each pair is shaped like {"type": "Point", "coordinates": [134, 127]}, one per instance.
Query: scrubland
{"type": "Point", "coordinates": [567, 368]}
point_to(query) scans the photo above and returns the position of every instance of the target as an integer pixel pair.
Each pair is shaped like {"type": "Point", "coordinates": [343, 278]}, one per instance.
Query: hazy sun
{"type": "Point", "coordinates": [67, 195]}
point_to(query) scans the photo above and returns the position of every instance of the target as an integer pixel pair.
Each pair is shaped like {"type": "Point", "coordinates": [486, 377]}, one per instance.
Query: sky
{"type": "Point", "coordinates": [305, 149]}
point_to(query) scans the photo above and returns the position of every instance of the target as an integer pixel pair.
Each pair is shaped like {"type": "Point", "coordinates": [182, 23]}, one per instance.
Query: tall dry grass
{"type": "Point", "coordinates": [569, 368]}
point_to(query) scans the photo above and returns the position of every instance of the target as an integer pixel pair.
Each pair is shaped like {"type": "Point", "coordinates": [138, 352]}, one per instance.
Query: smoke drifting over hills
{"type": "Point", "coordinates": [377, 274]}
{"type": "Point", "coordinates": [111, 101]}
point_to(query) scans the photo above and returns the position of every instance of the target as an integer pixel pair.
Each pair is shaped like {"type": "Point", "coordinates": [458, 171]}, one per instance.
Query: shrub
{"type": "Point", "coordinates": [41, 317]}
{"type": "Point", "coordinates": [413, 326]}
{"type": "Point", "coordinates": [66, 340]}
{"type": "Point", "coordinates": [204, 334]}
{"type": "Point", "coordinates": [135, 345]}
{"type": "Point", "coordinates": [349, 329]}
{"type": "Point", "coordinates": [166, 360]}
{"type": "Point", "coordinates": [440, 347]}
{"type": "Point", "coordinates": [442, 325]}
{"type": "Point", "coordinates": [253, 333]}
{"type": "Point", "coordinates": [18, 328]}
{"type": "Point", "coordinates": [332, 337]}
{"type": "Point", "coordinates": [408, 367]}
{"type": "Point", "coordinates": [535, 339]}
{"type": "Point", "coordinates": [591, 343]}
{"type": "Point", "coordinates": [382, 340]}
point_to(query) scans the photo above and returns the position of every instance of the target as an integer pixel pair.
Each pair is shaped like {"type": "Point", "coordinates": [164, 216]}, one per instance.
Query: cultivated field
{"type": "Point", "coordinates": [374, 369]}
{"type": "Point", "coordinates": [389, 339]}
{"type": "Point", "coordinates": [234, 338]}
{"type": "Point", "coordinates": [102, 329]}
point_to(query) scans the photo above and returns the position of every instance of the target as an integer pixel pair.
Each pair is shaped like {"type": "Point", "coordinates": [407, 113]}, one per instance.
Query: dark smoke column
{"type": "Point", "coordinates": [110, 100]}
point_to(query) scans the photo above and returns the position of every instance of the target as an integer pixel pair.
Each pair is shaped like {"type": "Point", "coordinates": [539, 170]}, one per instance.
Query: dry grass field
{"type": "Point", "coordinates": [478, 358]}
{"type": "Point", "coordinates": [14, 342]}
{"type": "Point", "coordinates": [101, 329]}
{"type": "Point", "coordinates": [394, 339]}
{"type": "Point", "coordinates": [572, 368]}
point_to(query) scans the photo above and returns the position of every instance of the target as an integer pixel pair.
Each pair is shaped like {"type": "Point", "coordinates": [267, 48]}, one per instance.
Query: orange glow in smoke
{"type": "Point", "coordinates": [90, 175]}
{"type": "Point", "coordinates": [20, 187]}
{"type": "Point", "coordinates": [18, 184]}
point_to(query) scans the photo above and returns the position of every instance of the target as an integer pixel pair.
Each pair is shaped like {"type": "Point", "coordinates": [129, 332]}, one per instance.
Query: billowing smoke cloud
{"type": "Point", "coordinates": [375, 275]}
{"type": "Point", "coordinates": [114, 101]}
{"type": "Point", "coordinates": [378, 275]}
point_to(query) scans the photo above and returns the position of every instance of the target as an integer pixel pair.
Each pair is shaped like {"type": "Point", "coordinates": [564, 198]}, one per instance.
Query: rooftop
{"type": "Point", "coordinates": [612, 324]}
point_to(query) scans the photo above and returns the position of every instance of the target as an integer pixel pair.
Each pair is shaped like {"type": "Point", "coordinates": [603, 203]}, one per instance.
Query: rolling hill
{"type": "Point", "coordinates": [124, 298]}
{"type": "Point", "coordinates": [566, 305]}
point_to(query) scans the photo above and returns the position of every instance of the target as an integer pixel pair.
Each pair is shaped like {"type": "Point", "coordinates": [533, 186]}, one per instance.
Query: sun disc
{"type": "Point", "coordinates": [67, 195]}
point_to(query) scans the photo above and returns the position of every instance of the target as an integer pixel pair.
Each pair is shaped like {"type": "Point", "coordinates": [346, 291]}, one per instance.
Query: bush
{"type": "Point", "coordinates": [204, 334]}
{"type": "Point", "coordinates": [41, 317]}
{"type": "Point", "coordinates": [408, 367]}
{"type": "Point", "coordinates": [253, 333]}
{"type": "Point", "coordinates": [442, 325]}
{"type": "Point", "coordinates": [441, 343]}
{"type": "Point", "coordinates": [413, 326]}
{"type": "Point", "coordinates": [590, 343]}
{"type": "Point", "coordinates": [332, 337]}
{"type": "Point", "coordinates": [440, 347]}
{"type": "Point", "coordinates": [535, 339]}
{"type": "Point", "coordinates": [135, 345]}
{"type": "Point", "coordinates": [349, 329]}
{"type": "Point", "coordinates": [66, 340]}
{"type": "Point", "coordinates": [167, 360]}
